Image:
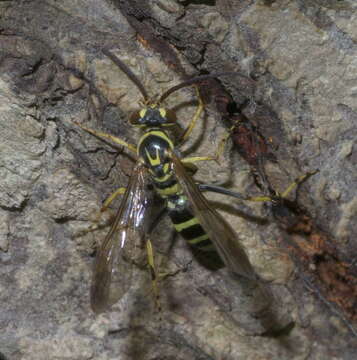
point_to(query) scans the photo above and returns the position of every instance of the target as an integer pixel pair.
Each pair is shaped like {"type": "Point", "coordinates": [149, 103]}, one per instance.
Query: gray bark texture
{"type": "Point", "coordinates": [293, 107]}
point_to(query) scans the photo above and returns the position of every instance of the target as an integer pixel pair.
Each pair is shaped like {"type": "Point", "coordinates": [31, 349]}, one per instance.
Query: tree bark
{"type": "Point", "coordinates": [291, 109]}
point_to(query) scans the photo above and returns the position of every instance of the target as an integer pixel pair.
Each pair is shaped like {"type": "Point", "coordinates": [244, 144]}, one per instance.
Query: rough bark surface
{"type": "Point", "coordinates": [295, 96]}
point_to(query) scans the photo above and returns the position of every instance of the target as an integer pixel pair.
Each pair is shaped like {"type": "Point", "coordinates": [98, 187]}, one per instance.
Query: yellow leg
{"type": "Point", "coordinates": [193, 159]}
{"type": "Point", "coordinates": [105, 206]}
{"type": "Point", "coordinates": [191, 167]}
{"type": "Point", "coordinates": [276, 197]}
{"type": "Point", "coordinates": [107, 136]}
{"type": "Point", "coordinates": [259, 198]}
{"type": "Point", "coordinates": [223, 142]}
{"type": "Point", "coordinates": [190, 160]}
{"type": "Point", "coordinates": [288, 190]}
{"type": "Point", "coordinates": [217, 155]}
{"type": "Point", "coordinates": [192, 124]}
{"type": "Point", "coordinates": [297, 182]}
{"type": "Point", "coordinates": [110, 199]}
{"type": "Point", "coordinates": [153, 273]}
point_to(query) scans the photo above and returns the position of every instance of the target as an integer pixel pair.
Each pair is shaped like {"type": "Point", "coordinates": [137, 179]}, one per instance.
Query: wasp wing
{"type": "Point", "coordinates": [122, 245]}
{"type": "Point", "coordinates": [220, 233]}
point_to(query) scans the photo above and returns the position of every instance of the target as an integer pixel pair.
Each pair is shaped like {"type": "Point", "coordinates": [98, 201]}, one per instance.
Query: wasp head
{"type": "Point", "coordinates": [152, 116]}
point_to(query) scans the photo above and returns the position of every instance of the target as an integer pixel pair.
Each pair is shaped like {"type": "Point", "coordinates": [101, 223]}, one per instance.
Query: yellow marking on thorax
{"type": "Point", "coordinates": [166, 168]}
{"type": "Point", "coordinates": [163, 178]}
{"type": "Point", "coordinates": [172, 190]}
{"type": "Point", "coordinates": [186, 224]}
{"type": "Point", "coordinates": [166, 171]}
{"type": "Point", "coordinates": [153, 161]}
{"type": "Point", "coordinates": [171, 205]}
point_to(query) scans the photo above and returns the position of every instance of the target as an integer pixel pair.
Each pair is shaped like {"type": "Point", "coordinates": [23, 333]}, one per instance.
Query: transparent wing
{"type": "Point", "coordinates": [123, 245]}
{"type": "Point", "coordinates": [220, 233]}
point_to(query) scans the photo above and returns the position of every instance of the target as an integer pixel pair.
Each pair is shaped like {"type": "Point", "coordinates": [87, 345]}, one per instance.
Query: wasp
{"type": "Point", "coordinates": [159, 165]}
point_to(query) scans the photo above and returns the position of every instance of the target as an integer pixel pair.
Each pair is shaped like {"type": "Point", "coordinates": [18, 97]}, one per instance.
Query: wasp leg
{"type": "Point", "coordinates": [151, 259]}
{"type": "Point", "coordinates": [193, 159]}
{"type": "Point", "coordinates": [189, 161]}
{"type": "Point", "coordinates": [283, 196]}
{"type": "Point", "coordinates": [297, 182]}
{"type": "Point", "coordinates": [153, 274]}
{"type": "Point", "coordinates": [221, 190]}
{"type": "Point", "coordinates": [222, 143]}
{"type": "Point", "coordinates": [219, 151]}
{"type": "Point", "coordinates": [193, 122]}
{"type": "Point", "coordinates": [105, 207]}
{"type": "Point", "coordinates": [235, 194]}
{"type": "Point", "coordinates": [107, 136]}
{"type": "Point", "coordinates": [224, 191]}
{"type": "Point", "coordinates": [156, 276]}
{"type": "Point", "coordinates": [112, 197]}
{"type": "Point", "coordinates": [97, 218]}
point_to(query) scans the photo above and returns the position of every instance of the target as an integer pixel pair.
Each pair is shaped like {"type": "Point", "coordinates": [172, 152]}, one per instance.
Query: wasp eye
{"type": "Point", "coordinates": [142, 112]}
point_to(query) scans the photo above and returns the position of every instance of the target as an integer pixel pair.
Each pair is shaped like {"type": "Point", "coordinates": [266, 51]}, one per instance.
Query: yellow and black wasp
{"type": "Point", "coordinates": [159, 164]}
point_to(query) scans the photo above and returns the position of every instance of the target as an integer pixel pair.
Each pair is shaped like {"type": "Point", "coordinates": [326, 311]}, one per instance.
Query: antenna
{"type": "Point", "coordinates": [125, 69]}
{"type": "Point", "coordinates": [192, 81]}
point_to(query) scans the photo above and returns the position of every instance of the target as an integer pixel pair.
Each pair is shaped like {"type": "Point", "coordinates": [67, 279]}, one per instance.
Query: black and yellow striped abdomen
{"type": "Point", "coordinates": [188, 226]}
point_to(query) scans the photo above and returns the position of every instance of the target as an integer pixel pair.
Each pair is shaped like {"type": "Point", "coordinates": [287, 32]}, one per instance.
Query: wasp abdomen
{"type": "Point", "coordinates": [191, 230]}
